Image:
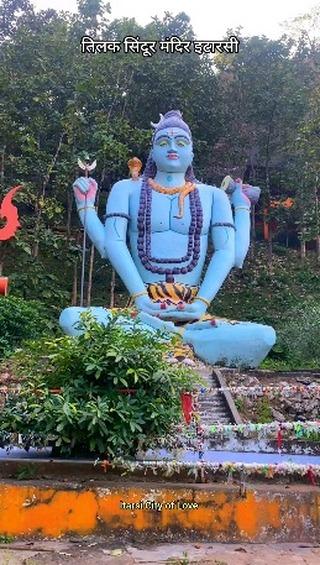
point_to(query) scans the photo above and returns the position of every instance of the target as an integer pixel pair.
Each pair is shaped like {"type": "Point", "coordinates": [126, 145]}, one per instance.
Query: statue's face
{"type": "Point", "coordinates": [172, 150]}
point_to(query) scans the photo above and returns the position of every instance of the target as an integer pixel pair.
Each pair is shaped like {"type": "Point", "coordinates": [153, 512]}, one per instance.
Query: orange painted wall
{"type": "Point", "coordinates": [221, 514]}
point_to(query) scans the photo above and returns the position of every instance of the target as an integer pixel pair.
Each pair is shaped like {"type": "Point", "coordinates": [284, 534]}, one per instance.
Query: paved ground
{"type": "Point", "coordinates": [88, 551]}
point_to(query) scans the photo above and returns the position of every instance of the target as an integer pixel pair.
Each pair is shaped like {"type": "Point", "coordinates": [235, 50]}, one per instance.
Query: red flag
{"type": "Point", "coordinates": [187, 406]}
{"type": "Point", "coordinates": [279, 438]}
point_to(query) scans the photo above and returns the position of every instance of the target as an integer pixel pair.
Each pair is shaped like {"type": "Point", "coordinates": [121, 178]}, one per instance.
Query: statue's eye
{"type": "Point", "coordinates": [182, 142]}
{"type": "Point", "coordinates": [162, 143]}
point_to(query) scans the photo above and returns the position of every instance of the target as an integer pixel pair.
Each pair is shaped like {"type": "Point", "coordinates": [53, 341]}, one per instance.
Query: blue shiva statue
{"type": "Point", "coordinates": [167, 217]}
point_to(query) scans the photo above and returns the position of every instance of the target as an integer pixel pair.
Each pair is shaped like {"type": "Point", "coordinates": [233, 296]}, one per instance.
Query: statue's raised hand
{"type": "Point", "coordinates": [85, 190]}
{"type": "Point", "coordinates": [238, 197]}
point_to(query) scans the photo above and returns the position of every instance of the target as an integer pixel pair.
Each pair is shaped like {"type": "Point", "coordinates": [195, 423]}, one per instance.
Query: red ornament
{"type": "Point", "coordinates": [163, 306]}
{"type": "Point", "coordinates": [10, 213]}
{"type": "Point", "coordinates": [4, 286]}
{"type": "Point", "coordinates": [213, 323]}
{"type": "Point", "coordinates": [311, 476]}
{"type": "Point", "coordinates": [127, 390]}
{"type": "Point", "coordinates": [55, 390]}
{"type": "Point", "coordinates": [279, 438]}
{"type": "Point", "coordinates": [187, 406]}
{"type": "Point", "coordinates": [180, 306]}
{"type": "Point", "coordinates": [105, 465]}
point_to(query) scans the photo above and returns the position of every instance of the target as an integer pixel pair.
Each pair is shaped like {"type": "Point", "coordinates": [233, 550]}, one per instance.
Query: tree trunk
{"type": "Point", "coordinates": [4, 251]}
{"type": "Point", "coordinates": [3, 152]}
{"type": "Point", "coordinates": [3, 244]}
{"type": "Point", "coordinates": [112, 288]}
{"type": "Point", "coordinates": [268, 194]}
{"type": "Point", "coordinates": [316, 198]}
{"type": "Point", "coordinates": [302, 247]}
{"type": "Point", "coordinates": [42, 194]}
{"type": "Point", "coordinates": [270, 234]}
{"type": "Point", "coordinates": [69, 214]}
{"type": "Point", "coordinates": [318, 247]}
{"type": "Point", "coordinates": [35, 249]}
{"type": "Point", "coordinates": [270, 250]}
{"type": "Point", "coordinates": [253, 231]}
{"type": "Point", "coordinates": [74, 297]}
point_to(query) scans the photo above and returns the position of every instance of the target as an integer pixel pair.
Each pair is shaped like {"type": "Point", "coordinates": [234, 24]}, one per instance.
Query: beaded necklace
{"type": "Point", "coordinates": [144, 235]}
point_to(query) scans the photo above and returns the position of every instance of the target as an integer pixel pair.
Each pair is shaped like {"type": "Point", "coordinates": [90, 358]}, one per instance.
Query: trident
{"type": "Point", "coordinates": [86, 168]}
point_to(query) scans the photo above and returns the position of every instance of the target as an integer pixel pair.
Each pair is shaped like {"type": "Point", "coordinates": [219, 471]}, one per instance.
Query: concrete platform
{"type": "Point", "coordinates": [165, 511]}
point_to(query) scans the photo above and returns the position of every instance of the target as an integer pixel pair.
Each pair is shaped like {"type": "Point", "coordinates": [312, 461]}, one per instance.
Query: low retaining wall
{"type": "Point", "coordinates": [213, 512]}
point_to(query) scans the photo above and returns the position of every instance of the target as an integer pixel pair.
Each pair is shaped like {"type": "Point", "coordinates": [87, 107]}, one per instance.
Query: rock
{"type": "Point", "coordinates": [304, 380]}
{"type": "Point", "coordinates": [277, 415]}
{"type": "Point", "coordinates": [189, 362]}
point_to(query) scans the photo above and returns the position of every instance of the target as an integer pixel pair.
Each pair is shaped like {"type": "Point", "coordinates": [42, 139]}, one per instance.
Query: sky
{"type": "Point", "coordinates": [209, 19]}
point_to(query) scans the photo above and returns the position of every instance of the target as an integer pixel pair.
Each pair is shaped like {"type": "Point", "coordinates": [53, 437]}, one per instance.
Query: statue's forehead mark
{"type": "Point", "coordinates": [172, 132]}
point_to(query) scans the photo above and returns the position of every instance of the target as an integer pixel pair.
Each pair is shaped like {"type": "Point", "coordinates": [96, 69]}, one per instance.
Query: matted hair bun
{"type": "Point", "coordinates": [172, 119]}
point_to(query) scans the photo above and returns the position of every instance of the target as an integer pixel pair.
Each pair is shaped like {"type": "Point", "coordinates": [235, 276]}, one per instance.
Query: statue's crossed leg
{"type": "Point", "coordinates": [222, 342]}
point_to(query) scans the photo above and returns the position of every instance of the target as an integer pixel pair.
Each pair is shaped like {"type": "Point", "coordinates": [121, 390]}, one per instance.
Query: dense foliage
{"type": "Point", "coordinates": [300, 335]}
{"type": "Point", "coordinates": [21, 320]}
{"type": "Point", "coordinates": [253, 114]}
{"type": "Point", "coordinates": [108, 391]}
{"type": "Point", "coordinates": [256, 294]}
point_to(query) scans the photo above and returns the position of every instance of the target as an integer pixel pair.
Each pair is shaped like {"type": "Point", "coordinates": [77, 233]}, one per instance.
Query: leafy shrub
{"type": "Point", "coordinates": [89, 411]}
{"type": "Point", "coordinates": [300, 335]}
{"type": "Point", "coordinates": [20, 320]}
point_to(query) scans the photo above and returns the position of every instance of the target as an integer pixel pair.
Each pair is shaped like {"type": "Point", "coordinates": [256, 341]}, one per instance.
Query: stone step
{"type": "Point", "coordinates": [211, 405]}
{"type": "Point", "coordinates": [214, 408]}
{"type": "Point", "coordinates": [219, 412]}
{"type": "Point", "coordinates": [217, 407]}
{"type": "Point", "coordinates": [224, 421]}
{"type": "Point", "coordinates": [217, 416]}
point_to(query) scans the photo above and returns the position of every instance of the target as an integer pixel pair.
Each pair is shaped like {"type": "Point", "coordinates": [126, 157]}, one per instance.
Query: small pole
{"type": "Point", "coordinates": [86, 168]}
{"type": "Point", "coordinates": [84, 242]}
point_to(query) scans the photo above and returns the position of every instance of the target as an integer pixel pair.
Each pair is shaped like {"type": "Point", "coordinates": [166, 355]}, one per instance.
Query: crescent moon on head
{"type": "Point", "coordinates": [159, 122]}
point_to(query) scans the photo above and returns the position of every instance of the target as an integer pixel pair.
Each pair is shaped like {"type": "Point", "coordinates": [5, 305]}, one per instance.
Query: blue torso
{"type": "Point", "coordinates": [169, 234]}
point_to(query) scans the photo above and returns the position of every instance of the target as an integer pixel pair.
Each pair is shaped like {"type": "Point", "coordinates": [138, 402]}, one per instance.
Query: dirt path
{"type": "Point", "coordinates": [84, 551]}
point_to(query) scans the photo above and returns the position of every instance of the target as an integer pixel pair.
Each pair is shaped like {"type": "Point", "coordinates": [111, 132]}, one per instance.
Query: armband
{"type": "Point", "coordinates": [117, 215]}
{"type": "Point", "coordinates": [226, 224]}
{"type": "Point", "coordinates": [242, 208]}
{"type": "Point", "coordinates": [85, 208]}
{"type": "Point", "coordinates": [204, 300]}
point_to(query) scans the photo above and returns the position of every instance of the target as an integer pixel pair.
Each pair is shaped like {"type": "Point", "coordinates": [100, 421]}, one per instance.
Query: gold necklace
{"type": "Point", "coordinates": [181, 190]}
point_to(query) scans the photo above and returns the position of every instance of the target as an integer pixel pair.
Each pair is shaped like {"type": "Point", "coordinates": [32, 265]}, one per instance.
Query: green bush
{"type": "Point", "coordinates": [299, 336]}
{"type": "Point", "coordinates": [20, 320]}
{"type": "Point", "coordinates": [90, 413]}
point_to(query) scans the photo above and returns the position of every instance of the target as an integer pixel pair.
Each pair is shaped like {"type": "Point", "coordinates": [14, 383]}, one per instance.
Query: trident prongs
{"type": "Point", "coordinates": [86, 167]}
